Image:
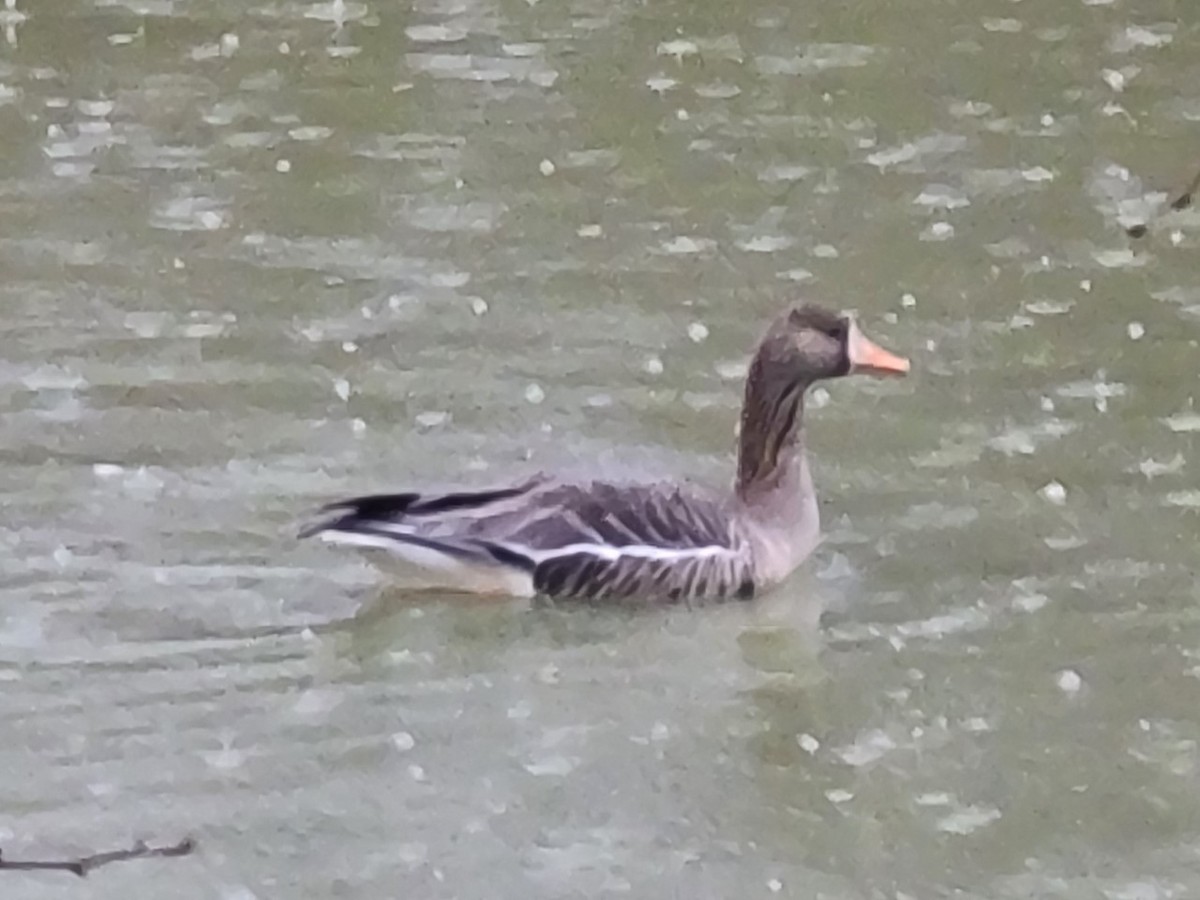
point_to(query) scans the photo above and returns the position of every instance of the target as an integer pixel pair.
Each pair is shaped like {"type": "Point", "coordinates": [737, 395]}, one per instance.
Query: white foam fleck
{"type": "Point", "coordinates": [553, 764]}
{"type": "Point", "coordinates": [719, 91]}
{"type": "Point", "coordinates": [933, 145]}
{"type": "Point", "coordinates": [941, 196]}
{"type": "Point", "coordinates": [938, 231]}
{"type": "Point", "coordinates": [1063, 542]}
{"type": "Point", "coordinates": [936, 627]}
{"type": "Point", "coordinates": [1099, 389]}
{"type": "Point", "coordinates": [785, 173]}
{"type": "Point", "coordinates": [339, 12]}
{"type": "Point", "coordinates": [435, 33]}
{"type": "Point", "coordinates": [732, 370]}
{"type": "Point", "coordinates": [1069, 681]}
{"type": "Point", "coordinates": [1183, 422]}
{"type": "Point", "coordinates": [766, 243]}
{"type": "Point", "coordinates": [53, 378]}
{"type": "Point", "coordinates": [1004, 26]}
{"type": "Point", "coordinates": [1049, 307]}
{"type": "Point", "coordinates": [1135, 36]}
{"type": "Point", "coordinates": [522, 50]}
{"type": "Point", "coordinates": [450, 279]}
{"type": "Point", "coordinates": [1030, 602]}
{"type": "Point", "coordinates": [1054, 492]}
{"type": "Point", "coordinates": [970, 108]}
{"type": "Point", "coordinates": [933, 798]}
{"type": "Point", "coordinates": [796, 275]}
{"type": "Point", "coordinates": [310, 133]}
{"type": "Point", "coordinates": [685, 244]}
{"type": "Point", "coordinates": [1152, 468]}
{"type": "Point", "coordinates": [432, 418]}
{"type": "Point", "coordinates": [968, 819]}
{"type": "Point", "coordinates": [95, 108]}
{"type": "Point", "coordinates": [678, 48]}
{"type": "Point", "coordinates": [867, 748]}
{"type": "Point", "coordinates": [1123, 258]}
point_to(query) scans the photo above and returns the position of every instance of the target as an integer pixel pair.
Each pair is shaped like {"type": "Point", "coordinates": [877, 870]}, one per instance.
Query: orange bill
{"type": "Point", "coordinates": [869, 358]}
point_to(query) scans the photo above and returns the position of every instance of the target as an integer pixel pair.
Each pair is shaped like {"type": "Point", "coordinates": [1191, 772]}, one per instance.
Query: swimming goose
{"type": "Point", "coordinates": [597, 540]}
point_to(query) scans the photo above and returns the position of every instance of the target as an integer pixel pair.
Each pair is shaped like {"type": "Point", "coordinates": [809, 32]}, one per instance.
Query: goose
{"type": "Point", "coordinates": [599, 540]}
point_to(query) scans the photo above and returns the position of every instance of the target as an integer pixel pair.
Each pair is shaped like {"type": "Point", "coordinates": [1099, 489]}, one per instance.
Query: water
{"type": "Point", "coordinates": [256, 256]}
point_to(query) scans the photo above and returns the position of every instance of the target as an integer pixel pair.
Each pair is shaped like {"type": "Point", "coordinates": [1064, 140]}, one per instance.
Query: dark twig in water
{"type": "Point", "coordinates": [1183, 201]}
{"type": "Point", "coordinates": [85, 864]}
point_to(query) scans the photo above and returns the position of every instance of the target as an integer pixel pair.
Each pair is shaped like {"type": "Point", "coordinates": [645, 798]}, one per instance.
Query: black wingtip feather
{"type": "Point", "coordinates": [350, 514]}
{"type": "Point", "coordinates": [441, 503]}
{"type": "Point", "coordinates": [374, 506]}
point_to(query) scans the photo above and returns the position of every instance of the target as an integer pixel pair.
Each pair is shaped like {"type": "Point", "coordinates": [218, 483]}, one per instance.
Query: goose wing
{"type": "Point", "coordinates": [592, 541]}
{"type": "Point", "coordinates": [601, 541]}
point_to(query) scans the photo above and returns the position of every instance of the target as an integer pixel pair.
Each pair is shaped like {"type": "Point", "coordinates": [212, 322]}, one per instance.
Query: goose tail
{"type": "Point", "coordinates": [419, 529]}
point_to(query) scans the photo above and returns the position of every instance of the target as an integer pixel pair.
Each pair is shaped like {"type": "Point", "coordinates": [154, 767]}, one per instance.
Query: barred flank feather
{"type": "Point", "coordinates": [567, 540]}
